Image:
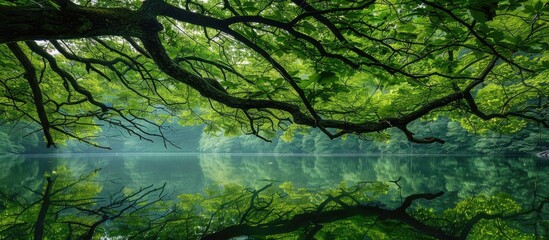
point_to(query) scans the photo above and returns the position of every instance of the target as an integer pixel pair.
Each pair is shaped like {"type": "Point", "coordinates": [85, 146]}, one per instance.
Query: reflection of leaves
{"type": "Point", "coordinates": [493, 228]}
{"type": "Point", "coordinates": [346, 211]}
{"type": "Point", "coordinates": [65, 192]}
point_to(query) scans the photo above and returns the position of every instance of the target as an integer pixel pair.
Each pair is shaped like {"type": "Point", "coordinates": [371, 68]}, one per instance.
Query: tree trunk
{"type": "Point", "coordinates": [72, 21]}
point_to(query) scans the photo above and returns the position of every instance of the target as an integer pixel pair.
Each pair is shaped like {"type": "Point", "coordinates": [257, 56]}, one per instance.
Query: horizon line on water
{"type": "Point", "coordinates": [251, 154]}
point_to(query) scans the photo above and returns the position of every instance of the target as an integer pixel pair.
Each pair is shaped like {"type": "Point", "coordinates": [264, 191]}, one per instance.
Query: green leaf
{"type": "Point", "coordinates": [279, 81]}
{"type": "Point", "coordinates": [539, 6]}
{"type": "Point", "coordinates": [483, 10]}
{"type": "Point", "coordinates": [250, 7]}
{"type": "Point", "coordinates": [304, 83]}
{"type": "Point", "coordinates": [307, 26]}
{"type": "Point", "coordinates": [229, 84]}
{"type": "Point", "coordinates": [327, 78]}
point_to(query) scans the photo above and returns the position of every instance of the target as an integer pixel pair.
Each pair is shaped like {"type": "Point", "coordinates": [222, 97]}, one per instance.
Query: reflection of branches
{"type": "Point", "coordinates": [469, 224]}
{"type": "Point", "coordinates": [85, 213]}
{"type": "Point", "coordinates": [399, 188]}
{"type": "Point", "coordinates": [40, 220]}
{"type": "Point", "coordinates": [322, 216]}
{"type": "Point", "coordinates": [120, 204]}
{"type": "Point", "coordinates": [254, 202]}
{"type": "Point", "coordinates": [346, 204]}
{"type": "Point", "coordinates": [244, 212]}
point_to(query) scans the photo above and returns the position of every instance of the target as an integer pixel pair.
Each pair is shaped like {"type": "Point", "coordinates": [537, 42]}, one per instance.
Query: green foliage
{"type": "Point", "coordinates": [357, 67]}
{"type": "Point", "coordinates": [458, 141]}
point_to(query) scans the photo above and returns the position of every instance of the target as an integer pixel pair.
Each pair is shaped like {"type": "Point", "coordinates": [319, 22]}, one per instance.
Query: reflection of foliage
{"type": "Point", "coordinates": [492, 217]}
{"type": "Point", "coordinates": [487, 205]}
{"type": "Point", "coordinates": [275, 210]}
{"type": "Point", "coordinates": [462, 176]}
{"type": "Point", "coordinates": [25, 217]}
{"type": "Point", "coordinates": [71, 207]}
{"type": "Point", "coordinates": [68, 207]}
{"type": "Point", "coordinates": [17, 138]}
{"type": "Point", "coordinates": [289, 213]}
{"type": "Point", "coordinates": [15, 170]}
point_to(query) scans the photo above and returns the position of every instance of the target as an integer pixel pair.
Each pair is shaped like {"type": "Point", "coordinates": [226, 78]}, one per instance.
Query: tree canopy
{"type": "Point", "coordinates": [258, 67]}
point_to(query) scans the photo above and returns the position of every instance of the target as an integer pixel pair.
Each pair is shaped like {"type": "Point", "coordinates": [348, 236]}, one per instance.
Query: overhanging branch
{"type": "Point", "coordinates": [30, 75]}
{"type": "Point", "coordinates": [73, 21]}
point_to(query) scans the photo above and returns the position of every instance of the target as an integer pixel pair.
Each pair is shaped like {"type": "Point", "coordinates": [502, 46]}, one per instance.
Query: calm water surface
{"type": "Point", "coordinates": [457, 176]}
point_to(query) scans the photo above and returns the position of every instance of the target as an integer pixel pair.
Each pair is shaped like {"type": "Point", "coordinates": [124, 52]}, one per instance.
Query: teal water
{"type": "Point", "coordinates": [457, 176]}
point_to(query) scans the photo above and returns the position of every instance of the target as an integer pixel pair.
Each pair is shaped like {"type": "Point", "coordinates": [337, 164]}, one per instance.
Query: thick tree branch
{"type": "Point", "coordinates": [30, 75]}
{"type": "Point", "coordinates": [187, 16]}
{"type": "Point", "coordinates": [155, 48]}
{"type": "Point", "coordinates": [82, 22]}
{"type": "Point", "coordinates": [73, 21]}
{"type": "Point", "coordinates": [411, 138]}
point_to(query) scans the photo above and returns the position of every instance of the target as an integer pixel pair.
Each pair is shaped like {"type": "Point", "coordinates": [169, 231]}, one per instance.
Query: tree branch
{"type": "Point", "coordinates": [27, 23]}
{"type": "Point", "coordinates": [30, 75]}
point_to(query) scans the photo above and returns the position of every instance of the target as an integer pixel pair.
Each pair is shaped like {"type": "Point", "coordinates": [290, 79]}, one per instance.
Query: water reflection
{"type": "Point", "coordinates": [459, 177]}
{"type": "Point", "coordinates": [15, 171]}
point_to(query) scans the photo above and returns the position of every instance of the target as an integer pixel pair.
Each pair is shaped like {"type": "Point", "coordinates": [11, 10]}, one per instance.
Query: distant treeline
{"type": "Point", "coordinates": [458, 141]}
{"type": "Point", "coordinates": [25, 139]}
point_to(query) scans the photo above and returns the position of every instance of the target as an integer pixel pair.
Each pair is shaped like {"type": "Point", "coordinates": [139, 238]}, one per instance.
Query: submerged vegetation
{"type": "Point", "coordinates": [67, 206]}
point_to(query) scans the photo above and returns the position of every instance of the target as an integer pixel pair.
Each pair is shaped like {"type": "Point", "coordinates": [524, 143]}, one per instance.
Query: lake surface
{"type": "Point", "coordinates": [457, 176]}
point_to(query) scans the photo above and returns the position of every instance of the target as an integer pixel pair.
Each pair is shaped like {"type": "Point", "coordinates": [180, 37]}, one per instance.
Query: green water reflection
{"type": "Point", "coordinates": [458, 176]}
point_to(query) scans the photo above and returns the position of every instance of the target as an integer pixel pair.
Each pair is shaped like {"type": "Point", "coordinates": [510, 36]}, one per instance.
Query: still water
{"type": "Point", "coordinates": [457, 176]}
